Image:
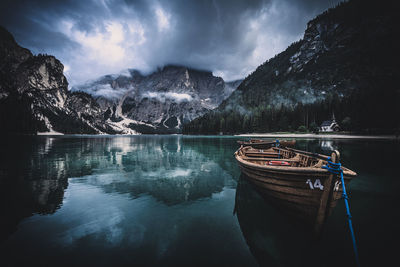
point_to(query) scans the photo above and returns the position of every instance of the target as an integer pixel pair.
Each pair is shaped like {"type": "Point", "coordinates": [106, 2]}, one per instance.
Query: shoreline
{"type": "Point", "coordinates": [49, 133]}
{"type": "Point", "coordinates": [321, 136]}
{"type": "Point", "coordinates": [253, 135]}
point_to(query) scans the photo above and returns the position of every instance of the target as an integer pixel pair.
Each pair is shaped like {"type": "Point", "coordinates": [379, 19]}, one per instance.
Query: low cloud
{"type": "Point", "coordinates": [176, 97]}
{"type": "Point", "coordinates": [102, 90]}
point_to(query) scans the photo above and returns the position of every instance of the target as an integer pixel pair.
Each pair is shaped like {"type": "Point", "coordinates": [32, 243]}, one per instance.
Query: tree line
{"type": "Point", "coordinates": [365, 111]}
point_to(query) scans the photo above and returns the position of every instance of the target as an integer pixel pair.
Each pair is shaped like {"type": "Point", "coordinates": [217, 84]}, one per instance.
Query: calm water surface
{"type": "Point", "coordinates": [179, 200]}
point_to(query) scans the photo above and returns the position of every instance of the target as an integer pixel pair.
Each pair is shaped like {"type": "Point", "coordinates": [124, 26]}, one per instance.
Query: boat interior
{"type": "Point", "coordinates": [280, 157]}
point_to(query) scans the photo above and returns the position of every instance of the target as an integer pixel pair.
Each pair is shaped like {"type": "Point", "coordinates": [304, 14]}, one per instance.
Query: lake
{"type": "Point", "coordinates": [180, 200]}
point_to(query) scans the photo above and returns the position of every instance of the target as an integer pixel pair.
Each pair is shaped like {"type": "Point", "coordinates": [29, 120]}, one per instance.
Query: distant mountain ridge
{"type": "Point", "coordinates": [344, 65]}
{"type": "Point", "coordinates": [162, 101]}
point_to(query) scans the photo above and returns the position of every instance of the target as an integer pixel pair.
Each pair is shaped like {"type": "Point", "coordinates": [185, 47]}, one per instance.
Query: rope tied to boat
{"type": "Point", "coordinates": [336, 168]}
{"type": "Point", "coordinates": [277, 144]}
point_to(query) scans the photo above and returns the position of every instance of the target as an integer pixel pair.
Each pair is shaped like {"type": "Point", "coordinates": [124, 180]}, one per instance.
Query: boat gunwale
{"type": "Point", "coordinates": [291, 169]}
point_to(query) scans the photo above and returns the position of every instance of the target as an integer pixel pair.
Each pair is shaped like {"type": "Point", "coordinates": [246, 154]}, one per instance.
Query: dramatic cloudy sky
{"type": "Point", "coordinates": [96, 37]}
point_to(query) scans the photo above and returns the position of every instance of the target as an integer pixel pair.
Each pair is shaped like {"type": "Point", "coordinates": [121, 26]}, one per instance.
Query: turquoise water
{"type": "Point", "coordinates": [179, 200]}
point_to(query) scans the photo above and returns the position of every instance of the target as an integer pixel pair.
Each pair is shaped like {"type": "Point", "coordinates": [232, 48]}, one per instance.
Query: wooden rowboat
{"type": "Point", "coordinates": [295, 180]}
{"type": "Point", "coordinates": [263, 144]}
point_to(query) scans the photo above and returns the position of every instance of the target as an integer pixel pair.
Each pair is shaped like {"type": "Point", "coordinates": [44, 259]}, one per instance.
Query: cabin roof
{"type": "Point", "coordinates": [326, 123]}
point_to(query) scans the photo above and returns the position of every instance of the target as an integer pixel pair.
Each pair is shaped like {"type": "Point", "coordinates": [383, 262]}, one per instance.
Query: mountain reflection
{"type": "Point", "coordinates": [32, 181]}
{"type": "Point", "coordinates": [34, 172]}
{"type": "Point", "coordinates": [165, 168]}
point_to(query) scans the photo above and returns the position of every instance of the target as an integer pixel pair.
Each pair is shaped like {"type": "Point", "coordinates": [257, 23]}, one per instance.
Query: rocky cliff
{"type": "Point", "coordinates": [344, 64]}
{"type": "Point", "coordinates": [34, 95]}
{"type": "Point", "coordinates": [160, 102]}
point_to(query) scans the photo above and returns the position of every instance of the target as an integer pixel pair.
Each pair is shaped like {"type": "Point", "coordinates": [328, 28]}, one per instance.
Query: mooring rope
{"type": "Point", "coordinates": [336, 168]}
{"type": "Point", "coordinates": [277, 144]}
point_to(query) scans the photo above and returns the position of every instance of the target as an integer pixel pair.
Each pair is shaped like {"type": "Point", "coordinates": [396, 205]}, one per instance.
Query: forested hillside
{"type": "Point", "coordinates": [345, 64]}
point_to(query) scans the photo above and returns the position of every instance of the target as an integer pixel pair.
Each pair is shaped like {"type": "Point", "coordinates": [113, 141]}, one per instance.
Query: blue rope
{"type": "Point", "coordinates": [277, 144]}
{"type": "Point", "coordinates": [336, 168]}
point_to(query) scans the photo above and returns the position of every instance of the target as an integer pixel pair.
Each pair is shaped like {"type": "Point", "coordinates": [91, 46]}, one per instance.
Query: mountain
{"type": "Point", "coordinates": [34, 95]}
{"type": "Point", "coordinates": [159, 102]}
{"type": "Point", "coordinates": [345, 65]}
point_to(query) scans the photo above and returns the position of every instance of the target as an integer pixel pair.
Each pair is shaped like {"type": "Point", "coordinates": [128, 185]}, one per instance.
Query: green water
{"type": "Point", "coordinates": [179, 200]}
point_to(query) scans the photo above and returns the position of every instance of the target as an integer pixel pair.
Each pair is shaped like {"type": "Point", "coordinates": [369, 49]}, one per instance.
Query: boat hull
{"type": "Point", "coordinates": [301, 193]}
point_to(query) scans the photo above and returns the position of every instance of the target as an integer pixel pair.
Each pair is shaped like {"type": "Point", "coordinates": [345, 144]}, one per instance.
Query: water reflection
{"type": "Point", "coordinates": [35, 172]}
{"type": "Point", "coordinates": [166, 200]}
{"type": "Point", "coordinates": [327, 145]}
{"type": "Point", "coordinates": [31, 182]}
{"type": "Point", "coordinates": [273, 238]}
{"type": "Point", "coordinates": [143, 200]}
{"type": "Point", "coordinates": [166, 168]}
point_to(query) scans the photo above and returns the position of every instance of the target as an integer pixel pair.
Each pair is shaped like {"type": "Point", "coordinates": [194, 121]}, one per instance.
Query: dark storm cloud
{"type": "Point", "coordinates": [96, 37]}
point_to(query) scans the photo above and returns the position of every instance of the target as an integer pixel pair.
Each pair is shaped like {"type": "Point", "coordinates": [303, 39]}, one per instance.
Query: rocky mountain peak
{"type": "Point", "coordinates": [11, 54]}
{"type": "Point", "coordinates": [34, 95]}
{"type": "Point", "coordinates": [159, 102]}
{"type": "Point", "coordinates": [44, 73]}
